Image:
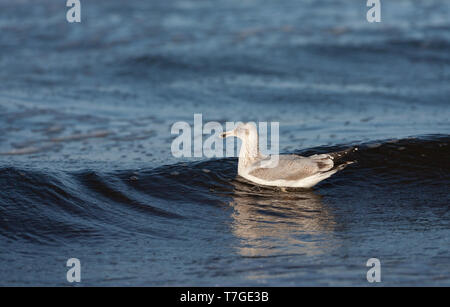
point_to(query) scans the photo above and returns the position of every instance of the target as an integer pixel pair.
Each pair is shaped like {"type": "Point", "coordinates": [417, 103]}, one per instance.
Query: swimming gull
{"type": "Point", "coordinates": [282, 170]}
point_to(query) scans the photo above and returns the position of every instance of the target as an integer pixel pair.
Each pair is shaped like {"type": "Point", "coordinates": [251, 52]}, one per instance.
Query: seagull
{"type": "Point", "coordinates": [281, 170]}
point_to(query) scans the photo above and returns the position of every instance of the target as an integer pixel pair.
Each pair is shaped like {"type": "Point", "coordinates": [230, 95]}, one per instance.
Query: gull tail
{"type": "Point", "coordinates": [324, 175]}
{"type": "Point", "coordinates": [339, 159]}
{"type": "Point", "coordinates": [338, 155]}
{"type": "Point", "coordinates": [343, 165]}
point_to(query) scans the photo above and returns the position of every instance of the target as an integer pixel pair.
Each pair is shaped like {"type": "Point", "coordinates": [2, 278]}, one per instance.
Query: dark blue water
{"type": "Point", "coordinates": [86, 169]}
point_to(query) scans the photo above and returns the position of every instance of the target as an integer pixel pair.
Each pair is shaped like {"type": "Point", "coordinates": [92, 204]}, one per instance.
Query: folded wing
{"type": "Point", "coordinates": [291, 167]}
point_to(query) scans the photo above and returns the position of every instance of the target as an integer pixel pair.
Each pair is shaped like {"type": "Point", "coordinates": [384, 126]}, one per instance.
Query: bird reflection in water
{"type": "Point", "coordinates": [269, 222]}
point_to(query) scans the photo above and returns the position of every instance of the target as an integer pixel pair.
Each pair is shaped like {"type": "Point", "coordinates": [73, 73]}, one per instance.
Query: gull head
{"type": "Point", "coordinates": [246, 132]}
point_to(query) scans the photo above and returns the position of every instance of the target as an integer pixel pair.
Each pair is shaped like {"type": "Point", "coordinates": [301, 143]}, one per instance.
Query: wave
{"type": "Point", "coordinates": [52, 206]}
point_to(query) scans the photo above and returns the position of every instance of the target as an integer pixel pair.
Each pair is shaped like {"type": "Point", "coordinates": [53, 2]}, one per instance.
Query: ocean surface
{"type": "Point", "coordinates": [86, 169]}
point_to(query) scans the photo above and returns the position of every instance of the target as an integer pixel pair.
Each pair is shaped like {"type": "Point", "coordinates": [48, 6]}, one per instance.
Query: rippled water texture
{"type": "Point", "coordinates": [86, 169]}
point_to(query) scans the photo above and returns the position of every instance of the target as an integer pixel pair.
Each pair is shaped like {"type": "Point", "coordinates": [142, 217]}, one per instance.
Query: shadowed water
{"type": "Point", "coordinates": [86, 169]}
{"type": "Point", "coordinates": [197, 223]}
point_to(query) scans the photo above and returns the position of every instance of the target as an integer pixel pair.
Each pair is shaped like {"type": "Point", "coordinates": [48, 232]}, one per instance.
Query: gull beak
{"type": "Point", "coordinates": [227, 134]}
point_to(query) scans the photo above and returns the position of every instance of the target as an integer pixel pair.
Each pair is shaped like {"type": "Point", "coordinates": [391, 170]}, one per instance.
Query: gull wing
{"type": "Point", "coordinates": [291, 167]}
